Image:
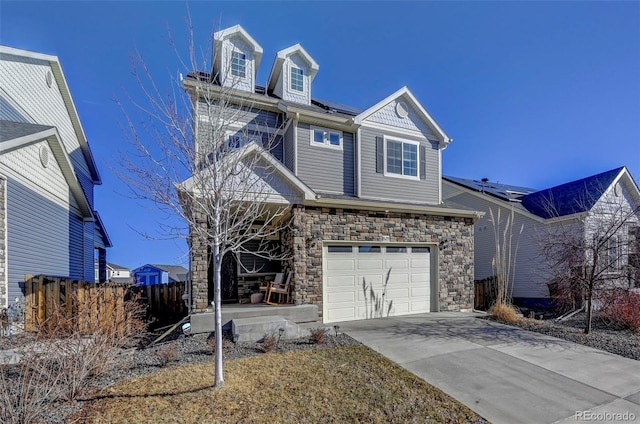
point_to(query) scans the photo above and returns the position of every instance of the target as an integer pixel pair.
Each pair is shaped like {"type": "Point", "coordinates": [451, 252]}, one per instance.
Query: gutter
{"type": "Point", "coordinates": [394, 207]}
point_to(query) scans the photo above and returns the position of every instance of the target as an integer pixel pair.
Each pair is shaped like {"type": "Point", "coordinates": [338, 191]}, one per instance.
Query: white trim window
{"type": "Point", "coordinates": [326, 137]}
{"type": "Point", "coordinates": [238, 64]}
{"type": "Point", "coordinates": [401, 158]}
{"type": "Point", "coordinates": [297, 79]}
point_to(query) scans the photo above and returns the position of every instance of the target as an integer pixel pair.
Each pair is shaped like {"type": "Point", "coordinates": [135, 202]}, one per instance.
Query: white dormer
{"type": "Point", "coordinates": [236, 57]}
{"type": "Point", "coordinates": [292, 73]}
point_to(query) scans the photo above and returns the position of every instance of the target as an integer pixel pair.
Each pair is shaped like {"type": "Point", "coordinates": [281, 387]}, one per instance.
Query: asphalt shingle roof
{"type": "Point", "coordinates": [10, 130]}
{"type": "Point", "coordinates": [569, 198]}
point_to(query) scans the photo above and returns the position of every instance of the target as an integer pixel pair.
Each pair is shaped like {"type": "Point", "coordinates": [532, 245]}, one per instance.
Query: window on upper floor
{"type": "Point", "coordinates": [297, 79]}
{"type": "Point", "coordinates": [401, 158]}
{"type": "Point", "coordinates": [326, 137]}
{"type": "Point", "coordinates": [238, 64]}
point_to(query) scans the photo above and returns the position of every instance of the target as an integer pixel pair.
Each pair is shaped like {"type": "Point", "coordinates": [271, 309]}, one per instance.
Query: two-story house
{"type": "Point", "coordinates": [607, 203]}
{"type": "Point", "coordinates": [48, 223]}
{"type": "Point", "coordinates": [363, 188]}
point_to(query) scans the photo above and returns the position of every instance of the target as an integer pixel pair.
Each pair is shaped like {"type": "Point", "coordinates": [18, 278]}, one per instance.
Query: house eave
{"type": "Point", "coordinates": [394, 207]}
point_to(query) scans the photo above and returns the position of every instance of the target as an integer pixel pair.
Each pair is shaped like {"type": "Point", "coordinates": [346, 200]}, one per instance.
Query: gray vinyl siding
{"type": "Point", "coordinates": [530, 279]}
{"type": "Point", "coordinates": [376, 185]}
{"type": "Point", "coordinates": [233, 115]}
{"type": "Point", "coordinates": [325, 169]}
{"type": "Point", "coordinates": [8, 112]}
{"type": "Point", "coordinates": [289, 149]}
{"type": "Point", "coordinates": [39, 240]}
{"type": "Point", "coordinates": [276, 146]}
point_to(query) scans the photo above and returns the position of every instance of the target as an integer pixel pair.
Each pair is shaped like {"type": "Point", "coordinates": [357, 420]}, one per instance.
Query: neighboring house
{"type": "Point", "coordinates": [150, 274]}
{"type": "Point", "coordinates": [539, 213]}
{"type": "Point", "coordinates": [363, 189]}
{"type": "Point", "coordinates": [115, 273]}
{"type": "Point", "coordinates": [47, 174]}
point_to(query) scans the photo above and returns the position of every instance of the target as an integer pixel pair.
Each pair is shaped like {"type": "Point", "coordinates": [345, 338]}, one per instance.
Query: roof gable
{"type": "Point", "coordinates": [400, 103]}
{"type": "Point", "coordinates": [238, 31]}
{"type": "Point", "coordinates": [501, 191]}
{"type": "Point", "coordinates": [15, 135]}
{"type": "Point", "coordinates": [572, 197]}
{"type": "Point", "coordinates": [56, 70]}
{"type": "Point", "coordinates": [282, 55]}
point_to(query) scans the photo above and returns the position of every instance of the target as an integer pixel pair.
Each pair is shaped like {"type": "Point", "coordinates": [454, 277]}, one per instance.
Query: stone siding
{"type": "Point", "coordinates": [311, 226]}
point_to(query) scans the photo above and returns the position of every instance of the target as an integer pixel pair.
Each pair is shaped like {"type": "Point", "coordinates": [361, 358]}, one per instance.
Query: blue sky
{"type": "Point", "coordinates": [533, 93]}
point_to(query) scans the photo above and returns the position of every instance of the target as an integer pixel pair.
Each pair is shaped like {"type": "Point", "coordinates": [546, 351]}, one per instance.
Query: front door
{"type": "Point", "coordinates": [229, 276]}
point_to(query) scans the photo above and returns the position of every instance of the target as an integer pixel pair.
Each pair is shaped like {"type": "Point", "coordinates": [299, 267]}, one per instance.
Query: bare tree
{"type": "Point", "coordinates": [202, 154]}
{"type": "Point", "coordinates": [504, 260]}
{"type": "Point", "coordinates": [593, 252]}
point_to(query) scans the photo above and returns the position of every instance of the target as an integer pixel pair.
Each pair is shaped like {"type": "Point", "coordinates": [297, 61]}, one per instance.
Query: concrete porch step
{"type": "Point", "coordinates": [203, 322]}
{"type": "Point", "coordinates": [255, 328]}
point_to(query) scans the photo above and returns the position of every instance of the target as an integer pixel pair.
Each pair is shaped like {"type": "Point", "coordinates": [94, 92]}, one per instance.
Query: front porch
{"type": "Point", "coordinates": [203, 322]}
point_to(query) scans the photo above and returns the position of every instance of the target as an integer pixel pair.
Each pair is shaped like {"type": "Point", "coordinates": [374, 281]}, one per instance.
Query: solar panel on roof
{"type": "Point", "coordinates": [338, 107]}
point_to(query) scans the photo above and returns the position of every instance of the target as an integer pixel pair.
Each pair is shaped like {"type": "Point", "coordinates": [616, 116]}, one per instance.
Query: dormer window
{"type": "Point", "coordinates": [297, 79]}
{"type": "Point", "coordinates": [238, 64]}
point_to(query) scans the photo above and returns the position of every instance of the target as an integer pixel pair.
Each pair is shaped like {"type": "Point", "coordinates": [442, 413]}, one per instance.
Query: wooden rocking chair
{"type": "Point", "coordinates": [264, 285]}
{"type": "Point", "coordinates": [282, 290]}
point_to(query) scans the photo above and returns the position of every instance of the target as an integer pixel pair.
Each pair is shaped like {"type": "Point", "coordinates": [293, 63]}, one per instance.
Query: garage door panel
{"type": "Point", "coordinates": [340, 264]}
{"type": "Point", "coordinates": [398, 277]}
{"type": "Point", "coordinates": [369, 264]}
{"type": "Point", "coordinates": [348, 281]}
{"type": "Point", "coordinates": [342, 314]}
{"type": "Point", "coordinates": [398, 293]}
{"type": "Point", "coordinates": [420, 262]}
{"type": "Point", "coordinates": [420, 291]}
{"type": "Point", "coordinates": [375, 280]}
{"type": "Point", "coordinates": [397, 263]}
{"type": "Point", "coordinates": [399, 308]}
{"type": "Point", "coordinates": [420, 277]}
{"type": "Point", "coordinates": [341, 297]}
{"type": "Point", "coordinates": [420, 306]}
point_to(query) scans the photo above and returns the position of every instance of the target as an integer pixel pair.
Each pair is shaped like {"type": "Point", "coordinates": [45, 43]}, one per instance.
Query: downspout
{"type": "Point", "coordinates": [295, 143]}
{"type": "Point", "coordinates": [358, 163]}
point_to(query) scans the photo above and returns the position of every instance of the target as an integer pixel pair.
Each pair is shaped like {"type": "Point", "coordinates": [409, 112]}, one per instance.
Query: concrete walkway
{"type": "Point", "coordinates": [505, 374]}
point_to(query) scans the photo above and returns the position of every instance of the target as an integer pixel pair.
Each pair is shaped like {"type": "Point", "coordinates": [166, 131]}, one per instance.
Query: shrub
{"type": "Point", "coordinates": [269, 342]}
{"type": "Point", "coordinates": [211, 342]}
{"type": "Point", "coordinates": [622, 308]}
{"type": "Point", "coordinates": [168, 353]}
{"type": "Point", "coordinates": [505, 312]}
{"type": "Point", "coordinates": [318, 335]}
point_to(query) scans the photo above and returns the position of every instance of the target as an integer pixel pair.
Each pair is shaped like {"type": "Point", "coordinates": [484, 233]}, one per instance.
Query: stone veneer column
{"type": "Point", "coordinates": [199, 266]}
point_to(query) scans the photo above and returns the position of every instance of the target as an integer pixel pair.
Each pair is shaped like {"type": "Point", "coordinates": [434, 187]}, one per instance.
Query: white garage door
{"type": "Point", "coordinates": [366, 281]}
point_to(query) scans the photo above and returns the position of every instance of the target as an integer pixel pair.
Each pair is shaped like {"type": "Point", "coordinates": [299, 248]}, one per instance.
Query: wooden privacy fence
{"type": "Point", "coordinates": [84, 305]}
{"type": "Point", "coordinates": [486, 292]}
{"type": "Point", "coordinates": [164, 301]}
{"type": "Point", "coordinates": [48, 299]}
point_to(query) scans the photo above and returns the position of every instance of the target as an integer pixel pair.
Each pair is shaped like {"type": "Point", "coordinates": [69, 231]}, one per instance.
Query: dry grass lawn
{"type": "Point", "coordinates": [344, 384]}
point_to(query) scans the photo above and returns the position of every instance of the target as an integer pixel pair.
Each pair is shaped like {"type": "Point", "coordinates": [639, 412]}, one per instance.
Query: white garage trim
{"type": "Point", "coordinates": [372, 279]}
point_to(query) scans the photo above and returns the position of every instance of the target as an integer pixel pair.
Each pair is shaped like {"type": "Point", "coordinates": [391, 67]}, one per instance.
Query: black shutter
{"type": "Point", "coordinates": [379, 155]}
{"type": "Point", "coordinates": [423, 163]}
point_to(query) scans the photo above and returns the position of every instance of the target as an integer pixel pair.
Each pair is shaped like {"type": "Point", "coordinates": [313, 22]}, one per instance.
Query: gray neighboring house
{"type": "Point", "coordinates": [48, 223]}
{"type": "Point", "coordinates": [363, 187]}
{"type": "Point", "coordinates": [539, 211]}
{"type": "Point", "coordinates": [151, 274]}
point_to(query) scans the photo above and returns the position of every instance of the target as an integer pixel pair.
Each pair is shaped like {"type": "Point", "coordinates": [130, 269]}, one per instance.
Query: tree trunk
{"type": "Point", "coordinates": [217, 305]}
{"type": "Point", "coordinates": [587, 321]}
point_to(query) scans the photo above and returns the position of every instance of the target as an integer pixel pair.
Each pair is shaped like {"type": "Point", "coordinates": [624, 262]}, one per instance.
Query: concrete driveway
{"type": "Point", "coordinates": [505, 374]}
